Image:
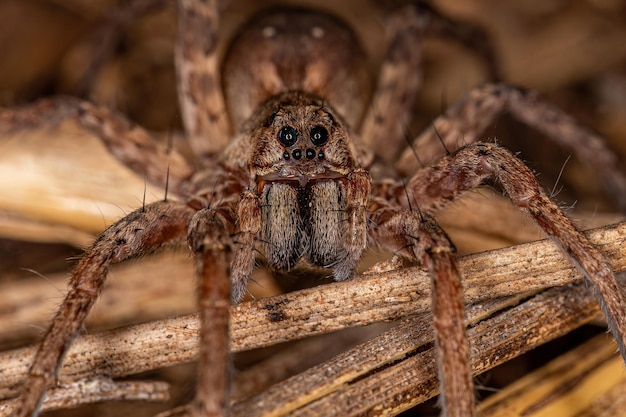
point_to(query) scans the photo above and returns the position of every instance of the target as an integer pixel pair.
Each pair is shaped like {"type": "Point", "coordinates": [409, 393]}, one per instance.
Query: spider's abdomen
{"type": "Point", "coordinates": [296, 50]}
{"type": "Point", "coordinates": [303, 222]}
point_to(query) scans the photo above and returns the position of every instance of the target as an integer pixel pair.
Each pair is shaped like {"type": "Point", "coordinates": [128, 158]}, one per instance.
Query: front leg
{"type": "Point", "coordinates": [418, 237]}
{"type": "Point", "coordinates": [210, 239]}
{"type": "Point", "coordinates": [434, 187]}
{"type": "Point", "coordinates": [153, 227]}
{"type": "Point", "coordinates": [224, 249]}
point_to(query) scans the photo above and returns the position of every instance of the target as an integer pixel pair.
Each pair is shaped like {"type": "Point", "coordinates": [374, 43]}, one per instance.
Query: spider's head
{"type": "Point", "coordinates": [298, 138]}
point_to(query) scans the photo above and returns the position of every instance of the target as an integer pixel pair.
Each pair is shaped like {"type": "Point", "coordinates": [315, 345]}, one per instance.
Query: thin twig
{"type": "Point", "coordinates": [97, 389]}
{"type": "Point", "coordinates": [569, 385]}
{"type": "Point", "coordinates": [398, 370]}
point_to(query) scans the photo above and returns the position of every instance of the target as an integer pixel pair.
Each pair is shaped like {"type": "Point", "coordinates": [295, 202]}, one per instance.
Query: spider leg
{"type": "Point", "coordinates": [397, 86]}
{"type": "Point", "coordinates": [434, 187]}
{"type": "Point", "coordinates": [470, 117]}
{"type": "Point", "coordinates": [153, 227]}
{"type": "Point", "coordinates": [418, 237]}
{"type": "Point", "coordinates": [199, 85]}
{"type": "Point", "coordinates": [128, 142]}
{"type": "Point", "coordinates": [210, 237]}
{"type": "Point", "coordinates": [387, 120]}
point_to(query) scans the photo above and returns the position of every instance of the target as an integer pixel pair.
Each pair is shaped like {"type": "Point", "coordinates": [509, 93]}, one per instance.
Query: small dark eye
{"type": "Point", "coordinates": [287, 136]}
{"type": "Point", "coordinates": [319, 136]}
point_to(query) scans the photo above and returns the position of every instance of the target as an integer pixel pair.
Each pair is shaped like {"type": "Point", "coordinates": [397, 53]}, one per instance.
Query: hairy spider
{"type": "Point", "coordinates": [287, 141]}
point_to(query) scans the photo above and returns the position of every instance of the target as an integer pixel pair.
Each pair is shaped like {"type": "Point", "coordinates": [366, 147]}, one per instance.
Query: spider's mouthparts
{"type": "Point", "coordinates": [300, 180]}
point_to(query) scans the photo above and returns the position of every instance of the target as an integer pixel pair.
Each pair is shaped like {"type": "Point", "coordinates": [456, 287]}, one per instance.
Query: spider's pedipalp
{"type": "Point", "coordinates": [248, 229]}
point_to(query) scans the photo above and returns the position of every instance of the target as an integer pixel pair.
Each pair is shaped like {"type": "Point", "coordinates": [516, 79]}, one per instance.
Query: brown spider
{"type": "Point", "coordinates": [293, 182]}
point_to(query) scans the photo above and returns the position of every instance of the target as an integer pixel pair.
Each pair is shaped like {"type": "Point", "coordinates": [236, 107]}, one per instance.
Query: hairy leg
{"type": "Point", "coordinates": [210, 239]}
{"type": "Point", "coordinates": [467, 119]}
{"type": "Point", "coordinates": [436, 186]}
{"type": "Point", "coordinates": [153, 227]}
{"type": "Point", "coordinates": [418, 237]}
{"type": "Point", "coordinates": [224, 248]}
{"type": "Point", "coordinates": [387, 118]}
{"type": "Point", "coordinates": [386, 122]}
{"type": "Point", "coordinates": [128, 142]}
{"type": "Point", "coordinates": [199, 81]}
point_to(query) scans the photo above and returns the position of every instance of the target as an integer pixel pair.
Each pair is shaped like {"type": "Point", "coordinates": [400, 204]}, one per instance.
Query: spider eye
{"type": "Point", "coordinates": [319, 136]}
{"type": "Point", "coordinates": [287, 136]}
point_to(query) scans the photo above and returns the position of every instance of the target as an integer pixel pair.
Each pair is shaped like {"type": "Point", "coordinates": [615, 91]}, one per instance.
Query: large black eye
{"type": "Point", "coordinates": [287, 136]}
{"type": "Point", "coordinates": [319, 136]}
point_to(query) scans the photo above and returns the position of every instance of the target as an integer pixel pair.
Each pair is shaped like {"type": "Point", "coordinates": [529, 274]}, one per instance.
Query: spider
{"type": "Point", "coordinates": [292, 180]}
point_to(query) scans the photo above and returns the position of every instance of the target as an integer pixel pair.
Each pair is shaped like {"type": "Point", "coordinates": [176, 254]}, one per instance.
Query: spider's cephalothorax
{"type": "Point", "coordinates": [286, 50]}
{"type": "Point", "coordinates": [302, 161]}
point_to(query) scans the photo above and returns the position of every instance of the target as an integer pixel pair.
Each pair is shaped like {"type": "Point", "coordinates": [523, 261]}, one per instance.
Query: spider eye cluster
{"type": "Point", "coordinates": [288, 136]}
